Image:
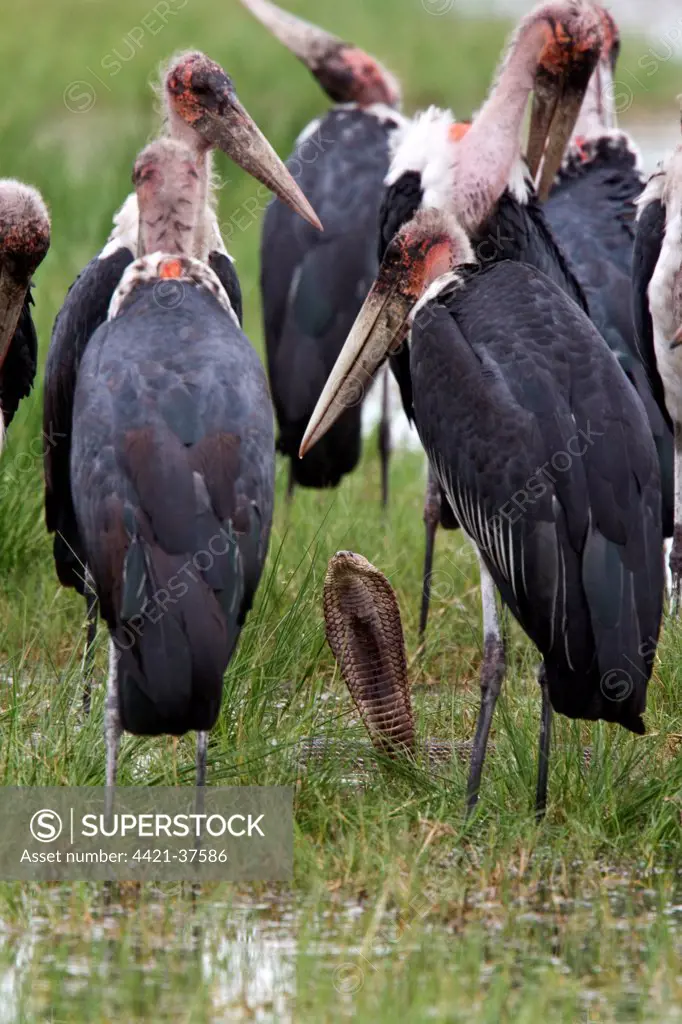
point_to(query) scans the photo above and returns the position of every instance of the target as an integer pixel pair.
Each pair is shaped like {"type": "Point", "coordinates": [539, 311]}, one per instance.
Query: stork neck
{"type": "Point", "coordinates": [177, 128]}
{"type": "Point", "coordinates": [487, 153]}
{"type": "Point", "coordinates": [200, 246]}
{"type": "Point", "coordinates": [167, 222]}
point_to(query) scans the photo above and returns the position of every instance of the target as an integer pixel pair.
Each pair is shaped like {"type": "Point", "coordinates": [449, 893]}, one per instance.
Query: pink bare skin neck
{"type": "Point", "coordinates": [181, 131]}
{"type": "Point", "coordinates": [168, 204]}
{"type": "Point", "coordinates": [492, 144]}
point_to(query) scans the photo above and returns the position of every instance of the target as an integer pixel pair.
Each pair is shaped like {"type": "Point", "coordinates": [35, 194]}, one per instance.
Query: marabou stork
{"type": "Point", "coordinates": [24, 241]}
{"type": "Point", "coordinates": [657, 309]}
{"type": "Point", "coordinates": [509, 377]}
{"type": "Point", "coordinates": [172, 468]}
{"type": "Point", "coordinates": [313, 286]}
{"type": "Point", "coordinates": [591, 210]}
{"type": "Point", "coordinates": [202, 109]}
{"type": "Point", "coordinates": [477, 172]}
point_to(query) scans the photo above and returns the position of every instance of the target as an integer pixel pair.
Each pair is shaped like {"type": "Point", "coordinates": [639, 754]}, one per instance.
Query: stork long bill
{"type": "Point", "coordinates": [544, 107]}
{"type": "Point", "coordinates": [425, 248]}
{"type": "Point", "coordinates": [562, 120]}
{"type": "Point", "coordinates": [379, 328]}
{"type": "Point", "coordinates": [12, 295]}
{"type": "Point", "coordinates": [306, 41]}
{"type": "Point", "coordinates": [345, 72]}
{"type": "Point", "coordinates": [237, 135]}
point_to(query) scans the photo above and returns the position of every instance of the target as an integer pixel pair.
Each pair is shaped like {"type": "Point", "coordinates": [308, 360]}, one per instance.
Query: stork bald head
{"type": "Point", "coordinates": [24, 241]}
{"type": "Point", "coordinates": [205, 112]}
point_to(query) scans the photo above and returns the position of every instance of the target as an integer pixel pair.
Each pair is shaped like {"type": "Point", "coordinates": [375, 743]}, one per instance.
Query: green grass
{"type": "Point", "coordinates": [397, 909]}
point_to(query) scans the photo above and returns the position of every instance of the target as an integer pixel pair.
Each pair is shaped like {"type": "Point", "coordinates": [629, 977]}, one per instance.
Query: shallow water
{"type": "Point", "coordinates": [241, 961]}
{"type": "Point", "coordinates": [244, 960]}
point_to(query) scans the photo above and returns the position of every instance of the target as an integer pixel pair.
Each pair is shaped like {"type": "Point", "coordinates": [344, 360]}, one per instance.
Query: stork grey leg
{"type": "Point", "coordinates": [112, 729]}
{"type": "Point", "coordinates": [492, 674]}
{"type": "Point", "coordinates": [202, 749]}
{"type": "Point", "coordinates": [545, 739]}
{"type": "Point", "coordinates": [431, 520]}
{"type": "Point", "coordinates": [90, 637]}
{"type": "Point", "coordinates": [676, 551]}
{"type": "Point", "coordinates": [667, 551]}
{"type": "Point", "coordinates": [385, 437]}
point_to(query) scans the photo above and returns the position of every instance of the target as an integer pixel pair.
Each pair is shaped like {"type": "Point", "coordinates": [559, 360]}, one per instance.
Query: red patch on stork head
{"type": "Point", "coordinates": [438, 260]}
{"type": "Point", "coordinates": [196, 85]}
{"type": "Point", "coordinates": [573, 36]}
{"type": "Point", "coordinates": [423, 260]}
{"type": "Point", "coordinates": [428, 246]}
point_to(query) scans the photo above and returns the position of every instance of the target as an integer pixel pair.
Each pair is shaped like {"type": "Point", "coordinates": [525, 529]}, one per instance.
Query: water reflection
{"type": "Point", "coordinates": [252, 967]}
{"type": "Point", "coordinates": [159, 962]}
{"type": "Point", "coordinates": [157, 959]}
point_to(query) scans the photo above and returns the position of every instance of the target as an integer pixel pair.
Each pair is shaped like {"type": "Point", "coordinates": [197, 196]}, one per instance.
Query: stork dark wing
{"type": "Point", "coordinates": [520, 232]}
{"type": "Point", "coordinates": [85, 308]}
{"type": "Point", "coordinates": [399, 203]}
{"type": "Point", "coordinates": [314, 283]}
{"type": "Point", "coordinates": [591, 211]}
{"type": "Point", "coordinates": [646, 253]}
{"type": "Point", "coordinates": [223, 267]}
{"type": "Point", "coordinates": [550, 467]}
{"type": "Point", "coordinates": [173, 471]}
{"type": "Point", "coordinates": [19, 368]}
{"type": "Point", "coordinates": [591, 208]}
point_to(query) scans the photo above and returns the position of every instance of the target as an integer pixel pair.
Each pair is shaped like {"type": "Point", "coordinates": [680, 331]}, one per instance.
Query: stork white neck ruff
{"type": "Point", "coordinates": [424, 145]}
{"type": "Point", "coordinates": [148, 269]}
{"type": "Point", "coordinates": [654, 188]}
